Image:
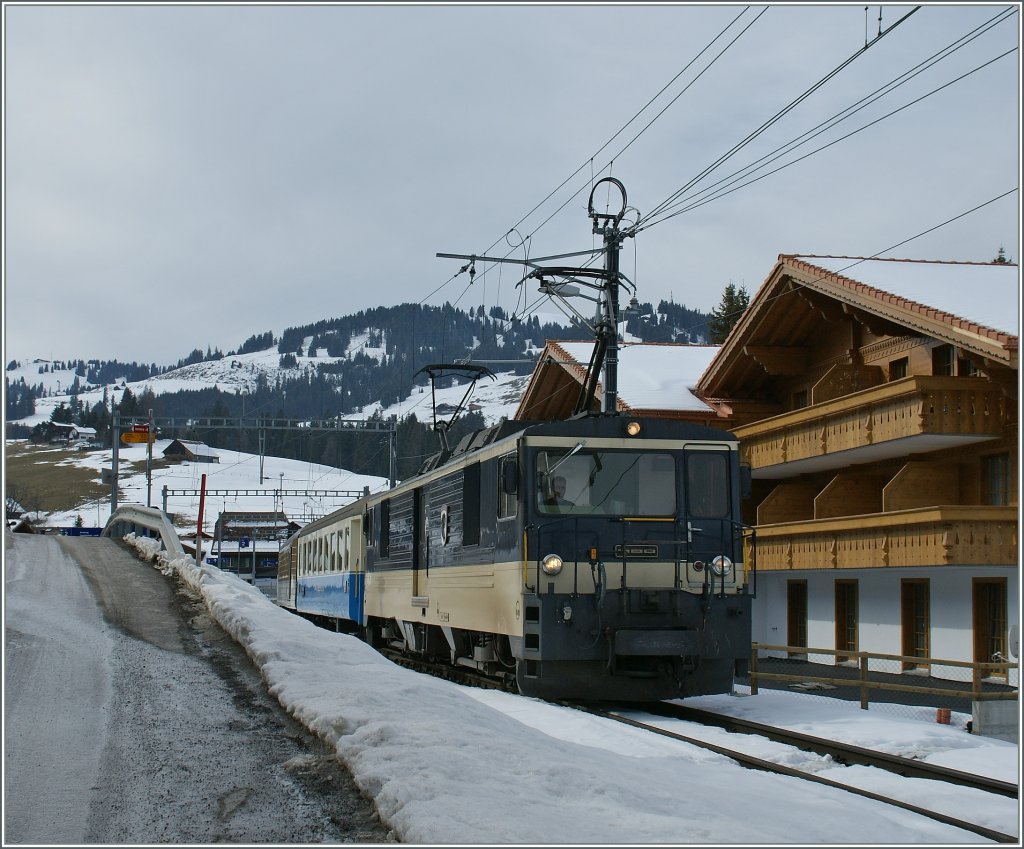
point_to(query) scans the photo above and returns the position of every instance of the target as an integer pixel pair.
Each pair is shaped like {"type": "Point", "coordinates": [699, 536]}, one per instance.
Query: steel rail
{"type": "Point", "coordinates": [767, 766]}
{"type": "Point", "coordinates": [844, 753]}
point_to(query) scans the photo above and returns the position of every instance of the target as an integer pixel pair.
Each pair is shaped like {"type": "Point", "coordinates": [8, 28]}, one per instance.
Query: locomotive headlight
{"type": "Point", "coordinates": [633, 428]}
{"type": "Point", "coordinates": [721, 565]}
{"type": "Point", "coordinates": [552, 564]}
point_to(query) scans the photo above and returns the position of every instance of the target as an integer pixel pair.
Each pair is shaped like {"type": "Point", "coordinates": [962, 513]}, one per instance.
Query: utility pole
{"type": "Point", "coordinates": [393, 457]}
{"type": "Point", "coordinates": [263, 446]}
{"type": "Point", "coordinates": [115, 435]}
{"type": "Point", "coordinates": [608, 228]}
{"type": "Point", "coordinates": [150, 436]}
{"type": "Point", "coordinates": [564, 282]}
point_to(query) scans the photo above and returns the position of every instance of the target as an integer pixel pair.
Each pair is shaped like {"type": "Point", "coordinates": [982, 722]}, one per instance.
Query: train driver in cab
{"type": "Point", "coordinates": [556, 502]}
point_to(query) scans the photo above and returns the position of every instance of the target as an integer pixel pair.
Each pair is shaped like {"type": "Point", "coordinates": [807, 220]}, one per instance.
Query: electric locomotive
{"type": "Point", "coordinates": [596, 558]}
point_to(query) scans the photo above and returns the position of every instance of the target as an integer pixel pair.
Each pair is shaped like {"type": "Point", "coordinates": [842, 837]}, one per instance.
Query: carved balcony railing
{"type": "Point", "coordinates": [919, 406]}
{"type": "Point", "coordinates": [933, 536]}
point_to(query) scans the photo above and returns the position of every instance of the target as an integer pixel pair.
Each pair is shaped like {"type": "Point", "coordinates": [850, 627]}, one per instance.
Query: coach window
{"type": "Point", "coordinates": [508, 486]}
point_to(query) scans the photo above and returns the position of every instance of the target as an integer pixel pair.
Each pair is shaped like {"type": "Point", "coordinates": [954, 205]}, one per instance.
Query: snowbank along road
{"type": "Point", "coordinates": [131, 717]}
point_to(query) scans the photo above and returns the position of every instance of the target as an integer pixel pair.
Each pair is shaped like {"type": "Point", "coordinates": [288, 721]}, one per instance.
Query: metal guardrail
{"type": "Point", "coordinates": [144, 521]}
{"type": "Point", "coordinates": [979, 671]}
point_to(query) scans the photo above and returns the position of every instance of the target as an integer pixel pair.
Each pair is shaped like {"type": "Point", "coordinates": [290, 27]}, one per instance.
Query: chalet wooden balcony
{"type": "Point", "coordinates": [913, 415]}
{"type": "Point", "coordinates": [933, 536]}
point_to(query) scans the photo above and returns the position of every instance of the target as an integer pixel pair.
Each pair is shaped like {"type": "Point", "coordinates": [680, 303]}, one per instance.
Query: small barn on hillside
{"type": "Point", "coordinates": [195, 452]}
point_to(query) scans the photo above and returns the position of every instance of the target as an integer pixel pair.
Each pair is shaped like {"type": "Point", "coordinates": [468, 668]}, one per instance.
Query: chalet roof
{"type": "Point", "coordinates": [971, 305]}
{"type": "Point", "coordinates": [87, 431]}
{"type": "Point", "coordinates": [982, 297]}
{"type": "Point", "coordinates": [199, 449]}
{"type": "Point", "coordinates": [652, 377]}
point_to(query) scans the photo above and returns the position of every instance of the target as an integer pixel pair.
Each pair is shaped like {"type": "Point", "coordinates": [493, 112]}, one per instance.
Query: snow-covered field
{"type": "Point", "coordinates": [236, 470]}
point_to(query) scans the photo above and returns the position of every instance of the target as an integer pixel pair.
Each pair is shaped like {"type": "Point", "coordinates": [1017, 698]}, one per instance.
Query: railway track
{"type": "Point", "coordinates": [838, 751]}
{"type": "Point", "coordinates": [843, 754]}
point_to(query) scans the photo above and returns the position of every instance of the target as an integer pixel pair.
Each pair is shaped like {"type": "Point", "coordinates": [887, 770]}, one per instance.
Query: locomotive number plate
{"type": "Point", "coordinates": [649, 551]}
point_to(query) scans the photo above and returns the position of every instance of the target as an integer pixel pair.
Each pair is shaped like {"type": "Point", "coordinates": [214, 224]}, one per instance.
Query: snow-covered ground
{"type": "Point", "coordinates": [448, 764]}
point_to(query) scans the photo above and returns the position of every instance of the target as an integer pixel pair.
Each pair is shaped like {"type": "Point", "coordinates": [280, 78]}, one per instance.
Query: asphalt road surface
{"type": "Point", "coordinates": [131, 717]}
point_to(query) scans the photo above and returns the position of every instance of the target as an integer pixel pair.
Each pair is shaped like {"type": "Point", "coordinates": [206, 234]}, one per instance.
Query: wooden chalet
{"type": "Point", "coordinates": [195, 452]}
{"type": "Point", "coordinates": [876, 402]}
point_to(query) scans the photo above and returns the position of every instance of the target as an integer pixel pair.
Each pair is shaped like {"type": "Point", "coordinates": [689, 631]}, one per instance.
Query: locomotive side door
{"type": "Point", "coordinates": [707, 504]}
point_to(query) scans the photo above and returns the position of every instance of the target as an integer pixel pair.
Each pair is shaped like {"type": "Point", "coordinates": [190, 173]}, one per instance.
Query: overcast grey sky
{"type": "Point", "coordinates": [184, 176]}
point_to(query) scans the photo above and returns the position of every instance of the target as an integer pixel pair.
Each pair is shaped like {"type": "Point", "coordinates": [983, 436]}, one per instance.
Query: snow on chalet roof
{"type": "Point", "coordinates": [984, 293]}
{"type": "Point", "coordinates": [86, 431]}
{"type": "Point", "coordinates": [199, 449]}
{"type": "Point", "coordinates": [654, 375]}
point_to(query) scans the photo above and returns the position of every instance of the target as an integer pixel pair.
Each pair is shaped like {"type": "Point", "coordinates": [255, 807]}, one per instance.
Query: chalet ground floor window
{"type": "Point", "coordinates": [846, 620]}
{"type": "Point", "coordinates": [990, 620]}
{"type": "Point", "coordinates": [915, 620]}
{"type": "Point", "coordinates": [796, 614]}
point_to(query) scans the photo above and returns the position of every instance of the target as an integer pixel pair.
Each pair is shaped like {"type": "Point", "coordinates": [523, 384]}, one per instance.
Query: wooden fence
{"type": "Point", "coordinates": [979, 671]}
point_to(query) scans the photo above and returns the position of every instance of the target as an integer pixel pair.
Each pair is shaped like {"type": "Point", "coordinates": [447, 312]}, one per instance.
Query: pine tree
{"type": "Point", "coordinates": [728, 312]}
{"type": "Point", "coordinates": [62, 414]}
{"type": "Point", "coordinates": [129, 405]}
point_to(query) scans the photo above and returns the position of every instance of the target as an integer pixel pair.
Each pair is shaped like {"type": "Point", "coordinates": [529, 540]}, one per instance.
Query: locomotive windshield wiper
{"type": "Point", "coordinates": [574, 450]}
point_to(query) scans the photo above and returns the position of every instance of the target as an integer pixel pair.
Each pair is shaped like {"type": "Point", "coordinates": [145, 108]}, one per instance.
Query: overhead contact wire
{"type": "Point", "coordinates": [771, 121]}
{"type": "Point", "coordinates": [829, 123]}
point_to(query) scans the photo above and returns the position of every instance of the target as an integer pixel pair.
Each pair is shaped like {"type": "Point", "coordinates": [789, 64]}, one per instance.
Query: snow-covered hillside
{"type": "Point", "coordinates": [240, 373]}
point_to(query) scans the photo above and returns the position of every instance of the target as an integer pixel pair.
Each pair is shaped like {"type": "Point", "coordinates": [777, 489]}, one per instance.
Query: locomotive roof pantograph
{"type": "Point", "coordinates": [436, 372]}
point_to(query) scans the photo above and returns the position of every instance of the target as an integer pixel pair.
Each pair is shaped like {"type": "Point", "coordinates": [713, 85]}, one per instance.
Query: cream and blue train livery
{"type": "Point", "coordinates": [600, 557]}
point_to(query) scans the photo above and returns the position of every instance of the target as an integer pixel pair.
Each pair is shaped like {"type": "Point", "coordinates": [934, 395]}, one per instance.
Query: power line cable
{"type": "Point", "coordinates": [610, 162]}
{"type": "Point", "coordinates": [610, 140]}
{"type": "Point", "coordinates": [830, 144]}
{"type": "Point", "coordinates": [846, 113]}
{"type": "Point", "coordinates": [775, 118]}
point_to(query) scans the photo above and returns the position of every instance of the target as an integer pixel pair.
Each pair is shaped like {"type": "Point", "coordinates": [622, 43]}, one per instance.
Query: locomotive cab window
{"type": "Point", "coordinates": [616, 483]}
{"type": "Point", "coordinates": [508, 486]}
{"type": "Point", "coordinates": [707, 484]}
